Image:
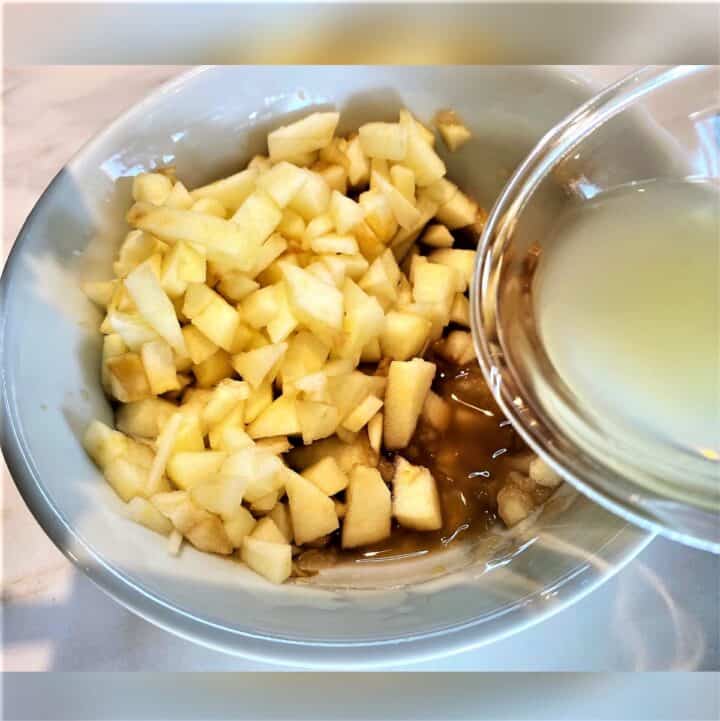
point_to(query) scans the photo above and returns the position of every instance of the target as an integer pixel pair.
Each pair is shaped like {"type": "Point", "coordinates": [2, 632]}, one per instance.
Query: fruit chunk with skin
{"type": "Point", "coordinates": [273, 561]}
{"type": "Point", "coordinates": [312, 511]}
{"type": "Point", "coordinates": [327, 475]}
{"type": "Point", "coordinates": [416, 503]}
{"type": "Point", "coordinates": [369, 508]}
{"type": "Point", "coordinates": [407, 386]}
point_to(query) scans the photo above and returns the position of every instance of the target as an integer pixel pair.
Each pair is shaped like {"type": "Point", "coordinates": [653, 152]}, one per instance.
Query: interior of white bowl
{"type": "Point", "coordinates": [210, 123]}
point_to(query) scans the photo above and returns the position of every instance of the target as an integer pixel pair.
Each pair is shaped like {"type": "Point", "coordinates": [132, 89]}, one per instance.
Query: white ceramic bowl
{"type": "Point", "coordinates": [210, 122]}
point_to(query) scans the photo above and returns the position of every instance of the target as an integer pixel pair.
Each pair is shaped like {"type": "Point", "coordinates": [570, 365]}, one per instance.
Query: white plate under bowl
{"type": "Point", "coordinates": [210, 122]}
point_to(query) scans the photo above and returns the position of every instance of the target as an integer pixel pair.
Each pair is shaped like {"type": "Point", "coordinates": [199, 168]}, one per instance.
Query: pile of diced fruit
{"type": "Point", "coordinates": [283, 311]}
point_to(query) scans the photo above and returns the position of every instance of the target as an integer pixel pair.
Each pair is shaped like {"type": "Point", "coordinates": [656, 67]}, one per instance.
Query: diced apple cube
{"type": "Point", "coordinates": [144, 418]}
{"type": "Point", "coordinates": [231, 191]}
{"type": "Point", "coordinates": [378, 214]}
{"type": "Point", "coordinates": [260, 365]}
{"type": "Point", "coordinates": [257, 218]}
{"type": "Point", "coordinates": [375, 431]}
{"type": "Point", "coordinates": [305, 355]}
{"type": "Point", "coordinates": [404, 335]}
{"type": "Point", "coordinates": [280, 514]}
{"type": "Point", "coordinates": [406, 214]}
{"type": "Point", "coordinates": [369, 508]}
{"type": "Point", "coordinates": [407, 387]}
{"type": "Point", "coordinates": [420, 157]}
{"type": "Point", "coordinates": [514, 505]}
{"type": "Point", "coordinates": [181, 265]}
{"type": "Point", "coordinates": [159, 364]}
{"type": "Point", "coordinates": [209, 206]}
{"type": "Point", "coordinates": [460, 310]}
{"type": "Point", "coordinates": [383, 140]}
{"type": "Point", "coordinates": [143, 512]}
{"type": "Point", "coordinates": [318, 305]}
{"type": "Point", "coordinates": [458, 348]}
{"type": "Point", "coordinates": [235, 286]}
{"type": "Point", "coordinates": [260, 398]}
{"type": "Point", "coordinates": [279, 418]}
{"type": "Point", "coordinates": [226, 396]}
{"type": "Point", "coordinates": [187, 469]}
{"type": "Point", "coordinates": [283, 182]}
{"type": "Point", "coordinates": [313, 198]}
{"type": "Point", "coordinates": [311, 133]}
{"type": "Point", "coordinates": [100, 292]}
{"type": "Point", "coordinates": [437, 236]}
{"type": "Point", "coordinates": [312, 511]}
{"type": "Point", "coordinates": [211, 314]}
{"type": "Point", "coordinates": [292, 225]}
{"type": "Point", "coordinates": [260, 307]}
{"type": "Point", "coordinates": [103, 444]}
{"type": "Point", "coordinates": [355, 265]}
{"type": "Point", "coordinates": [189, 436]}
{"type": "Point", "coordinates": [273, 561]}
{"type": "Point", "coordinates": [416, 502]}
{"type": "Point", "coordinates": [334, 175]}
{"type": "Point", "coordinates": [211, 371]}
{"type": "Point", "coordinates": [359, 164]}
{"type": "Point", "coordinates": [239, 526]}
{"type": "Point", "coordinates": [361, 415]}
{"type": "Point", "coordinates": [127, 479]}
{"type": "Point", "coordinates": [463, 261]}
{"type": "Point", "coordinates": [327, 475]}
{"type": "Point", "coordinates": [151, 187]}
{"type": "Point", "coordinates": [346, 455]}
{"type": "Point", "coordinates": [434, 284]}
{"type": "Point", "coordinates": [404, 180]}
{"type": "Point", "coordinates": [426, 134]}
{"type": "Point", "coordinates": [371, 352]}
{"type": "Point", "coordinates": [267, 530]}
{"type": "Point", "coordinates": [543, 474]}
{"type": "Point", "coordinates": [436, 411]}
{"type": "Point", "coordinates": [316, 420]}
{"type": "Point", "coordinates": [334, 243]}
{"type": "Point", "coordinates": [348, 391]}
{"type": "Point", "coordinates": [458, 212]}
{"type": "Point", "coordinates": [179, 198]}
{"type": "Point", "coordinates": [452, 130]}
{"type": "Point", "coordinates": [266, 503]}
{"type": "Point", "coordinates": [364, 320]}
{"type": "Point", "coordinates": [128, 381]}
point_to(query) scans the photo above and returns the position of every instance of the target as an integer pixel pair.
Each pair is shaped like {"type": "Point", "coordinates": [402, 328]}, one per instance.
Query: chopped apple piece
{"type": "Point", "coordinates": [231, 192]}
{"type": "Point", "coordinates": [375, 431]}
{"type": "Point", "coordinates": [426, 134]}
{"type": "Point", "coordinates": [381, 279]}
{"type": "Point", "coordinates": [143, 512]}
{"type": "Point", "coordinates": [404, 335]}
{"type": "Point", "coordinates": [174, 542]}
{"type": "Point", "coordinates": [209, 206]}
{"type": "Point", "coordinates": [283, 182]}
{"type": "Point", "coordinates": [211, 314]}
{"type": "Point", "coordinates": [416, 502]}
{"type": "Point", "coordinates": [361, 415]}
{"type": "Point", "coordinates": [383, 140]}
{"type": "Point", "coordinates": [354, 265]}
{"type": "Point", "coordinates": [239, 526]}
{"type": "Point", "coordinates": [305, 355]}
{"type": "Point", "coordinates": [437, 236]}
{"type": "Point", "coordinates": [279, 418]}
{"type": "Point", "coordinates": [463, 261]}
{"type": "Point", "coordinates": [260, 307]}
{"type": "Point", "coordinates": [190, 435]}
{"type": "Point", "coordinates": [165, 444]}
{"type": "Point", "coordinates": [235, 286]}
{"type": "Point", "coordinates": [151, 188]}
{"type": "Point", "coordinates": [313, 198]}
{"type": "Point", "coordinates": [407, 386]}
{"type": "Point", "coordinates": [312, 132]}
{"type": "Point", "coordinates": [348, 391]}
{"type": "Point", "coordinates": [542, 474]}
{"type": "Point", "coordinates": [211, 371]}
{"type": "Point", "coordinates": [179, 198]}
{"type": "Point", "coordinates": [458, 348]}
{"type": "Point", "coordinates": [378, 214]}
{"type": "Point", "coordinates": [199, 346]}
{"type": "Point", "coordinates": [318, 305]}
{"type": "Point", "coordinates": [267, 530]}
{"type": "Point", "coordinates": [280, 514]}
{"type": "Point", "coordinates": [128, 381]}
{"type": "Point", "coordinates": [434, 285]}
{"type": "Point", "coordinates": [187, 469]}
{"type": "Point", "coordinates": [103, 444]}
{"type": "Point", "coordinates": [514, 505]}
{"type": "Point", "coordinates": [327, 475]}
{"type": "Point", "coordinates": [334, 243]}
{"type": "Point", "coordinates": [458, 212]}
{"type": "Point", "coordinates": [260, 398]}
{"type": "Point", "coordinates": [215, 234]}
{"type": "Point", "coordinates": [226, 396]}
{"type": "Point", "coordinates": [369, 508]}
{"type": "Point", "coordinates": [406, 214]}
{"type": "Point", "coordinates": [346, 455]}
{"type": "Point", "coordinates": [155, 306]}
{"type": "Point", "coordinates": [257, 218]}
{"type": "Point", "coordinates": [452, 130]}
{"type": "Point", "coordinates": [100, 292]}
{"type": "Point", "coordinates": [314, 387]}
{"type": "Point", "coordinates": [126, 478]}
{"type": "Point", "coordinates": [266, 503]}
{"type": "Point", "coordinates": [359, 164]}
{"type": "Point", "coordinates": [292, 226]}
{"type": "Point", "coordinates": [181, 265]}
{"type": "Point", "coordinates": [460, 310]}
{"type": "Point", "coordinates": [371, 352]}
{"type": "Point", "coordinates": [404, 180]}
{"type": "Point", "coordinates": [364, 320]}
{"type": "Point", "coordinates": [420, 157]}
{"type": "Point", "coordinates": [316, 420]}
{"type": "Point", "coordinates": [260, 365]}
{"type": "Point", "coordinates": [159, 364]}
{"type": "Point", "coordinates": [436, 411]}
{"type": "Point", "coordinates": [273, 561]}
{"type": "Point", "coordinates": [144, 418]}
{"type": "Point", "coordinates": [334, 175]}
{"type": "Point", "coordinates": [312, 511]}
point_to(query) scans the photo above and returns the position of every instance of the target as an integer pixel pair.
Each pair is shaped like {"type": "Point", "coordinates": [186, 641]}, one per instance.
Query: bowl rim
{"type": "Point", "coordinates": [615, 553]}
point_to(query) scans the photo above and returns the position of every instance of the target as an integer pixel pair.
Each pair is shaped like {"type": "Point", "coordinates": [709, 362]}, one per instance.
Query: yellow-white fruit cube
{"type": "Point", "coordinates": [359, 164]}
{"type": "Point", "coordinates": [416, 502]}
{"type": "Point", "coordinates": [143, 512]}
{"type": "Point", "coordinates": [327, 475]}
{"type": "Point", "coordinates": [458, 212]}
{"type": "Point", "coordinates": [404, 180]}
{"type": "Point", "coordinates": [310, 133]}
{"type": "Point", "coordinates": [463, 261]}
{"type": "Point", "coordinates": [278, 419]}
{"type": "Point", "coordinates": [231, 191]}
{"type": "Point", "coordinates": [369, 508]}
{"type": "Point", "coordinates": [273, 561]}
{"type": "Point", "coordinates": [383, 140]}
{"type": "Point", "coordinates": [420, 157]}
{"type": "Point", "coordinates": [313, 198]}
{"type": "Point", "coordinates": [316, 420]}
{"type": "Point", "coordinates": [159, 364]}
{"type": "Point", "coordinates": [378, 214]}
{"type": "Point", "coordinates": [404, 335]}
{"type": "Point", "coordinates": [334, 243]}
{"type": "Point", "coordinates": [257, 218]}
{"type": "Point", "coordinates": [128, 381]}
{"type": "Point", "coordinates": [189, 468]}
{"type": "Point", "coordinates": [260, 365]}
{"type": "Point", "coordinates": [360, 416]}
{"type": "Point", "coordinates": [452, 130]}
{"type": "Point", "coordinates": [406, 214]}
{"type": "Point", "coordinates": [144, 418]}
{"type": "Point", "coordinates": [312, 511]}
{"type": "Point", "coordinates": [151, 187]}
{"type": "Point", "coordinates": [280, 514]}
{"type": "Point", "coordinates": [543, 474]}
{"type": "Point", "coordinates": [316, 304]}
{"type": "Point", "coordinates": [460, 310]}
{"type": "Point", "coordinates": [407, 386]}
{"type": "Point", "coordinates": [267, 530]}
{"type": "Point", "coordinates": [437, 236]}
{"type": "Point", "coordinates": [239, 526]}
{"type": "Point", "coordinates": [210, 313]}
{"type": "Point", "coordinates": [283, 182]}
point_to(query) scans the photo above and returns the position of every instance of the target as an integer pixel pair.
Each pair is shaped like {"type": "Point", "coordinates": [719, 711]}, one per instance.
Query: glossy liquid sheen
{"type": "Point", "coordinates": [627, 304]}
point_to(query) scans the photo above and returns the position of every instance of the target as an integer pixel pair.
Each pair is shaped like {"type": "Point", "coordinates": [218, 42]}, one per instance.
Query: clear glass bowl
{"type": "Point", "coordinates": [658, 123]}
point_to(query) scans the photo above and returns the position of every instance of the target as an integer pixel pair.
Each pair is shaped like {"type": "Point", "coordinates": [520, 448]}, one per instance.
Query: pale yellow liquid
{"type": "Point", "coordinates": [627, 306]}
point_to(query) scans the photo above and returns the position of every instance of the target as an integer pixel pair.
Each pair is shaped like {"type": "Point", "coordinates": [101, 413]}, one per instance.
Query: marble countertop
{"type": "Point", "coordinates": [661, 612]}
